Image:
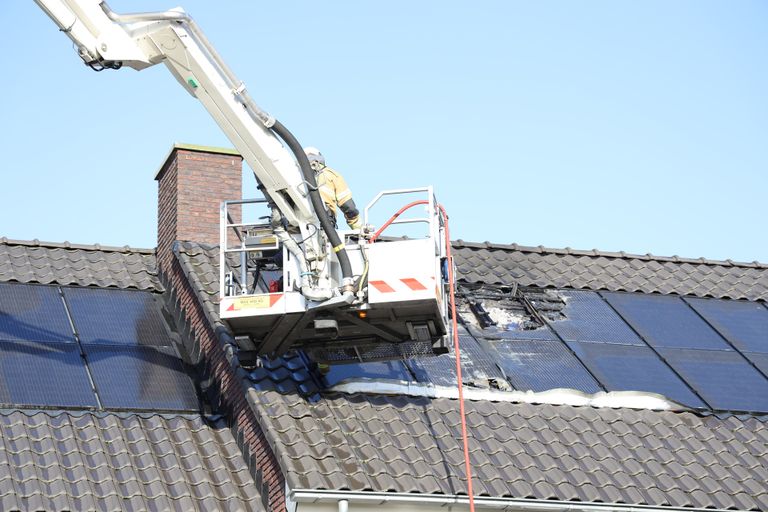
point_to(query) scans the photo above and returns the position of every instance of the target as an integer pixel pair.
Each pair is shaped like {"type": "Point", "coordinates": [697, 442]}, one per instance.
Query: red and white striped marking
{"type": "Point", "coordinates": [398, 285]}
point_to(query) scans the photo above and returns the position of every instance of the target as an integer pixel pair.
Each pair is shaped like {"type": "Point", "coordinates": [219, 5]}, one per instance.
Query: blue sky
{"type": "Point", "coordinates": [635, 126]}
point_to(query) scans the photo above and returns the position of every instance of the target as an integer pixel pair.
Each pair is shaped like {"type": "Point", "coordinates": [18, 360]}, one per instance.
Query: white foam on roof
{"type": "Point", "coordinates": [561, 396]}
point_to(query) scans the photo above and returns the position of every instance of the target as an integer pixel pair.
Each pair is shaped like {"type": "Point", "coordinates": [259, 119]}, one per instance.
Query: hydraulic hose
{"type": "Point", "coordinates": [317, 201]}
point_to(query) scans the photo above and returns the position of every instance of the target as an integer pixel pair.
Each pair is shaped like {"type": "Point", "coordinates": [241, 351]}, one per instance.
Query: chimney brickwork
{"type": "Point", "coordinates": [192, 183]}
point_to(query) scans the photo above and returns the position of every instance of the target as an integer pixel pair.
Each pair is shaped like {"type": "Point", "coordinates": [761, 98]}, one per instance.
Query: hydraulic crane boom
{"type": "Point", "coordinates": [345, 290]}
{"type": "Point", "coordinates": [108, 40]}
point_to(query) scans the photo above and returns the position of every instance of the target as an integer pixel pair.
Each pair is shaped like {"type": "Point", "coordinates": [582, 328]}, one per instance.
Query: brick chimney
{"type": "Point", "coordinates": [192, 183]}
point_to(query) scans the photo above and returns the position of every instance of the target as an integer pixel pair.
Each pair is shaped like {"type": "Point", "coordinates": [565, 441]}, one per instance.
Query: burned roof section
{"type": "Point", "coordinates": [617, 341]}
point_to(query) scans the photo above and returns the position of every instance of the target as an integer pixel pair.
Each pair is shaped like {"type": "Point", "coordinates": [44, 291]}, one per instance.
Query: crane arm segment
{"type": "Point", "coordinates": [108, 40]}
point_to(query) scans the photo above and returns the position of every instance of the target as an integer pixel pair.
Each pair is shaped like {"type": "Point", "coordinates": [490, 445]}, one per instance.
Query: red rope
{"type": "Point", "coordinates": [457, 352]}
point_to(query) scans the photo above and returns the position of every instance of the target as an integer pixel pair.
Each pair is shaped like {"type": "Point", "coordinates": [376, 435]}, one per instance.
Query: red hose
{"type": "Point", "coordinates": [392, 218]}
{"type": "Point", "coordinates": [457, 352]}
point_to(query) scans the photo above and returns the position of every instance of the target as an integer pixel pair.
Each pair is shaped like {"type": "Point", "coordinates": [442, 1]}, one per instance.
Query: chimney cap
{"type": "Point", "coordinates": [194, 147]}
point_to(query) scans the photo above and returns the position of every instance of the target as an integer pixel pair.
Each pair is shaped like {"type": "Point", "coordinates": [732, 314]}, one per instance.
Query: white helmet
{"type": "Point", "coordinates": [315, 156]}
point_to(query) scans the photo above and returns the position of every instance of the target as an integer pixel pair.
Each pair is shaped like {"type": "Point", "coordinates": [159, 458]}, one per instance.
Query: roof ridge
{"type": "Point", "coordinates": [69, 245]}
{"type": "Point", "coordinates": [605, 254]}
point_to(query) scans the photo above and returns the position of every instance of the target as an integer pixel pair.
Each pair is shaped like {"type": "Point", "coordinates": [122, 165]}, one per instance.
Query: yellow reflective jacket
{"type": "Point", "coordinates": [335, 192]}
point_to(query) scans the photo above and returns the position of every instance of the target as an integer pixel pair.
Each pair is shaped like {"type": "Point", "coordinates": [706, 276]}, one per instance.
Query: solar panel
{"type": "Point", "coordinates": [743, 323]}
{"type": "Point", "coordinates": [138, 377]}
{"type": "Point", "coordinates": [589, 318]}
{"type": "Point", "coordinates": [542, 365]}
{"type": "Point", "coordinates": [388, 370]}
{"type": "Point", "coordinates": [725, 380]}
{"type": "Point", "coordinates": [121, 317]}
{"type": "Point", "coordinates": [438, 370]}
{"type": "Point", "coordinates": [478, 366]}
{"type": "Point", "coordinates": [759, 360]}
{"type": "Point", "coordinates": [634, 368]}
{"type": "Point", "coordinates": [665, 321]}
{"type": "Point", "coordinates": [33, 313]}
{"type": "Point", "coordinates": [44, 375]}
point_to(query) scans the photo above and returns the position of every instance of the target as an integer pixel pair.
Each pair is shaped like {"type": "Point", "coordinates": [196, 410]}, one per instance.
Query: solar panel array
{"type": "Point", "coordinates": [111, 349]}
{"type": "Point", "coordinates": [702, 353]}
{"type": "Point", "coordinates": [709, 354]}
{"type": "Point", "coordinates": [88, 348]}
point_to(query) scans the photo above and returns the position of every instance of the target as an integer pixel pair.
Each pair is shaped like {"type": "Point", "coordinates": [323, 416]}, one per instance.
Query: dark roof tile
{"type": "Point", "coordinates": [596, 270]}
{"type": "Point", "coordinates": [57, 460]}
{"type": "Point", "coordinates": [524, 460]}
{"type": "Point", "coordinates": [71, 264]}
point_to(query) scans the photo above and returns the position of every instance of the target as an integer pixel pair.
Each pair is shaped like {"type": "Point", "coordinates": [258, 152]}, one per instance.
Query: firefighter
{"type": "Point", "coordinates": [333, 189]}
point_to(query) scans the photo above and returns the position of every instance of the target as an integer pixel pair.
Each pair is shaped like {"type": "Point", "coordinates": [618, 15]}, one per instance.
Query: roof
{"type": "Point", "coordinates": [411, 445]}
{"type": "Point", "coordinates": [397, 443]}
{"type": "Point", "coordinates": [57, 460]}
{"type": "Point", "coordinates": [82, 457]}
{"type": "Point", "coordinates": [600, 270]}
{"type": "Point", "coordinates": [384, 440]}
{"type": "Point", "coordinates": [76, 264]}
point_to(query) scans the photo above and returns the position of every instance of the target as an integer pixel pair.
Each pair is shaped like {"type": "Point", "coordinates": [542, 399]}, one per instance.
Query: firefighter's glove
{"type": "Point", "coordinates": [355, 223]}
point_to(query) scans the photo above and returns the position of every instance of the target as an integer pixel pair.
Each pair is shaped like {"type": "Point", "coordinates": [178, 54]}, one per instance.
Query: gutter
{"type": "Point", "coordinates": [345, 498]}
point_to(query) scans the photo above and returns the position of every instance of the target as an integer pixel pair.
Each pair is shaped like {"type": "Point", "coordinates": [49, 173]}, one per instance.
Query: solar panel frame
{"type": "Point", "coordinates": [588, 317]}
{"type": "Point", "coordinates": [140, 378]}
{"type": "Point", "coordinates": [117, 317]}
{"type": "Point", "coordinates": [665, 321]}
{"type": "Point", "coordinates": [44, 374]}
{"type": "Point", "coordinates": [36, 313]}
{"type": "Point", "coordinates": [725, 380]}
{"type": "Point", "coordinates": [634, 368]}
{"type": "Point", "coordinates": [542, 365]}
{"type": "Point", "coordinates": [744, 324]}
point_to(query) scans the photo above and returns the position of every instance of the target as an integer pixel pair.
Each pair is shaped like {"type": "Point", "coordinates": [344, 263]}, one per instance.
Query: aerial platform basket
{"type": "Point", "coordinates": [400, 309]}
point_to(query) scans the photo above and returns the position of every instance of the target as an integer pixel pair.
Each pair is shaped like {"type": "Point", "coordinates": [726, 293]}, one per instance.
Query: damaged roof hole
{"type": "Point", "coordinates": [500, 309]}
